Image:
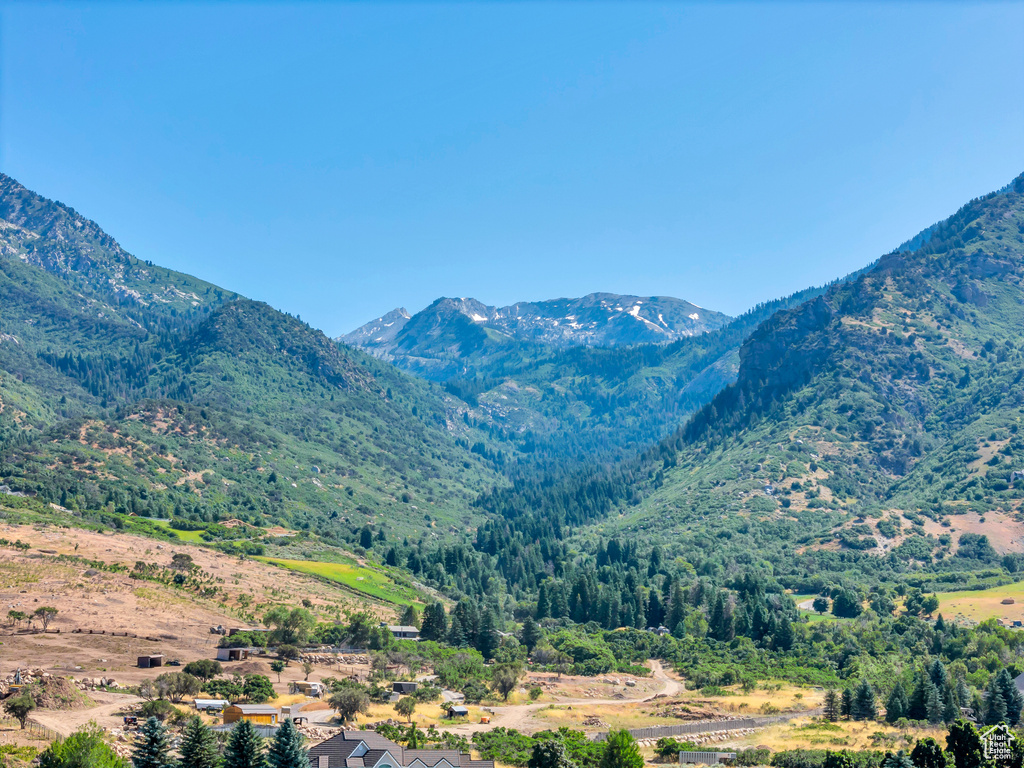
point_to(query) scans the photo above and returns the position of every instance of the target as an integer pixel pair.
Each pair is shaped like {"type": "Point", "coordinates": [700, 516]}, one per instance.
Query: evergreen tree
{"type": "Point", "coordinates": [677, 607]}
{"type": "Point", "coordinates": [532, 634]}
{"type": "Point", "coordinates": [487, 639]}
{"type": "Point", "coordinates": [864, 706]}
{"type": "Point", "coordinates": [783, 639]}
{"type": "Point", "coordinates": [918, 709]}
{"type": "Point", "coordinates": [410, 618]}
{"type": "Point", "coordinates": [154, 749]}
{"type": "Point", "coordinates": [832, 705]}
{"type": "Point", "coordinates": [245, 747]}
{"type": "Point", "coordinates": [1010, 694]}
{"type": "Point", "coordinates": [950, 709]}
{"type": "Point", "coordinates": [456, 636]}
{"type": "Point", "coordinates": [896, 705]}
{"type": "Point", "coordinates": [897, 760]}
{"type": "Point", "coordinates": [435, 623]}
{"type": "Point", "coordinates": [286, 749]}
{"type": "Point", "coordinates": [940, 677]}
{"type": "Point", "coordinates": [995, 704]}
{"type": "Point", "coordinates": [199, 746]}
{"type": "Point", "coordinates": [846, 704]}
{"type": "Point", "coordinates": [543, 602]}
{"type": "Point", "coordinates": [933, 705]}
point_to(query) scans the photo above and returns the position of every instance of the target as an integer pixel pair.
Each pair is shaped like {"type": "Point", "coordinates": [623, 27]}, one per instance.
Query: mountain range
{"type": "Point", "coordinates": [457, 326]}
{"type": "Point", "coordinates": [873, 420]}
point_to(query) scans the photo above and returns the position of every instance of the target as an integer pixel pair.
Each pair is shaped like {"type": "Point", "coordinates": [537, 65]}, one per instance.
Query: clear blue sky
{"type": "Point", "coordinates": [338, 160]}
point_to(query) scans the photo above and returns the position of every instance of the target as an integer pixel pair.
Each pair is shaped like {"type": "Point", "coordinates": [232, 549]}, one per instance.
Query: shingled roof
{"type": "Point", "coordinates": [366, 749]}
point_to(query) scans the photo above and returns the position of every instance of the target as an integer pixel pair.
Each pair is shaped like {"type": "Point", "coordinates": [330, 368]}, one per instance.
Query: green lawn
{"type": "Point", "coordinates": [355, 577]}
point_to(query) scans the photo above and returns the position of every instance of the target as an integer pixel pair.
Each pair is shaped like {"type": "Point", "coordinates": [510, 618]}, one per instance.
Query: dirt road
{"type": "Point", "coordinates": [67, 722]}
{"type": "Point", "coordinates": [520, 716]}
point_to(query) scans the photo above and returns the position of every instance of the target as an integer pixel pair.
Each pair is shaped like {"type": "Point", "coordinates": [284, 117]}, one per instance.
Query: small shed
{"type": "Point", "coordinates": [404, 687]}
{"type": "Point", "coordinates": [156, 660]}
{"type": "Point", "coordinates": [211, 705]}
{"type": "Point", "coordinates": [257, 714]}
{"type": "Point", "coordinates": [232, 654]}
{"type": "Point", "coordinates": [459, 711]}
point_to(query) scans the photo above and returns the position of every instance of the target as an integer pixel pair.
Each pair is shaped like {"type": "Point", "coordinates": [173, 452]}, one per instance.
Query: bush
{"type": "Point", "coordinates": [161, 709]}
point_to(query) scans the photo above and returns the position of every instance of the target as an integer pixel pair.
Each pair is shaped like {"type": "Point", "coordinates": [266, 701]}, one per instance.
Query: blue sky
{"type": "Point", "coordinates": [337, 160]}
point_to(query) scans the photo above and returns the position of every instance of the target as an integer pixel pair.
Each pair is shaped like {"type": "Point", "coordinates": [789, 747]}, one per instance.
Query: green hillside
{"type": "Point", "coordinates": [206, 406]}
{"type": "Point", "coordinates": [872, 437]}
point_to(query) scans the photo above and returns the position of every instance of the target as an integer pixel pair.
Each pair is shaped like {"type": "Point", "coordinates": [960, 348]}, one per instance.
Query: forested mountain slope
{"type": "Point", "coordinates": [873, 430]}
{"type": "Point", "coordinates": [134, 388]}
{"type": "Point", "coordinates": [566, 408]}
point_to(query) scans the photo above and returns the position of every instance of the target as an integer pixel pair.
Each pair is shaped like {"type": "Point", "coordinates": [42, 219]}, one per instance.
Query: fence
{"type": "Point", "coordinates": [34, 729]}
{"type": "Point", "coordinates": [708, 726]}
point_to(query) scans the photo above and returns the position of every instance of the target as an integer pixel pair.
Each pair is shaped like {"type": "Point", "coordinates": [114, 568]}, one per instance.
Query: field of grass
{"type": "Point", "coordinates": [818, 734]}
{"type": "Point", "coordinates": [979, 605]}
{"type": "Point", "coordinates": [192, 537]}
{"type": "Point", "coordinates": [354, 577]}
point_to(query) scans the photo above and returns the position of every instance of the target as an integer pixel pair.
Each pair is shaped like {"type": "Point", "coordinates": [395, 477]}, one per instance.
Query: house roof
{"type": "Point", "coordinates": [211, 703]}
{"type": "Point", "coordinates": [403, 629]}
{"type": "Point", "coordinates": [364, 749]}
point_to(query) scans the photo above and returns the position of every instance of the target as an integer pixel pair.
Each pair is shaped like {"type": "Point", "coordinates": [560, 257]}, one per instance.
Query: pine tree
{"type": "Point", "coordinates": [532, 633]}
{"type": "Point", "coordinates": [286, 750]}
{"type": "Point", "coordinates": [154, 750]}
{"type": "Point", "coordinates": [896, 705]}
{"type": "Point", "coordinates": [832, 705]}
{"type": "Point", "coordinates": [940, 678]}
{"type": "Point", "coordinates": [950, 709]}
{"type": "Point", "coordinates": [783, 639]}
{"type": "Point", "coordinates": [846, 705]}
{"type": "Point", "coordinates": [543, 602]}
{"type": "Point", "coordinates": [199, 746]}
{"type": "Point", "coordinates": [918, 709]}
{"type": "Point", "coordinates": [1011, 695]}
{"type": "Point", "coordinates": [995, 704]}
{"type": "Point", "coordinates": [864, 706]}
{"type": "Point", "coordinates": [245, 748]}
{"type": "Point", "coordinates": [933, 705]}
{"type": "Point", "coordinates": [487, 639]}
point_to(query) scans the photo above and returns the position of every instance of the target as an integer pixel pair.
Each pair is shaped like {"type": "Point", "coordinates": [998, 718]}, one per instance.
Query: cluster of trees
{"type": "Point", "coordinates": [44, 614]}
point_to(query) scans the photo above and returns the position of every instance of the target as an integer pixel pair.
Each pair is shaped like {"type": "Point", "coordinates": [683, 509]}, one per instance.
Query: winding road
{"type": "Point", "coordinates": [520, 716]}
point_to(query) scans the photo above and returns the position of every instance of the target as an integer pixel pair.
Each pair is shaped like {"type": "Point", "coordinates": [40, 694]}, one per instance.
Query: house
{"type": "Point", "coordinates": [405, 633]}
{"type": "Point", "coordinates": [210, 705]}
{"type": "Point", "coordinates": [308, 688]}
{"type": "Point", "coordinates": [156, 660]}
{"type": "Point", "coordinates": [257, 714]}
{"type": "Point", "coordinates": [404, 687]}
{"type": "Point", "coordinates": [366, 749]}
{"type": "Point", "coordinates": [458, 711]}
{"type": "Point", "coordinates": [232, 654]}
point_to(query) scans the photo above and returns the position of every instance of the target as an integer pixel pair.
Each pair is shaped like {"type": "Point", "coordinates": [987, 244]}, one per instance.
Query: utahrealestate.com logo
{"type": "Point", "coordinates": [997, 742]}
